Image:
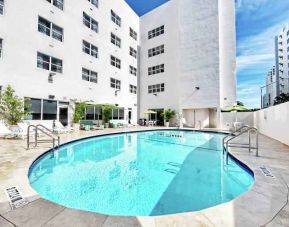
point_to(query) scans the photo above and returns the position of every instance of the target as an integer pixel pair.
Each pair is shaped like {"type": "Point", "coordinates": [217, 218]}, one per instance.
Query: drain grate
{"type": "Point", "coordinates": [266, 172]}
{"type": "Point", "coordinates": [15, 197]}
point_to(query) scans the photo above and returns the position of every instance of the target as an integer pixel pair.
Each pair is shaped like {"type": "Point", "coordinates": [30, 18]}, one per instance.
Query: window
{"type": "Point", "coordinates": [132, 89]}
{"type": "Point", "coordinates": [156, 32]}
{"type": "Point", "coordinates": [90, 23]}
{"type": "Point", "coordinates": [132, 70]}
{"type": "Point", "coordinates": [50, 29]}
{"type": "Point", "coordinates": [1, 7]}
{"type": "Point", "coordinates": [57, 3]}
{"type": "Point", "coordinates": [49, 63]}
{"type": "Point", "coordinates": [94, 2]}
{"type": "Point", "coordinates": [90, 49]}
{"type": "Point", "coordinates": [156, 69]}
{"type": "Point", "coordinates": [156, 51]}
{"type": "Point", "coordinates": [156, 88]}
{"type": "Point", "coordinates": [114, 83]}
{"type": "Point", "coordinates": [115, 62]}
{"type": "Point", "coordinates": [1, 48]}
{"type": "Point", "coordinates": [132, 33]}
{"type": "Point", "coordinates": [115, 18]}
{"type": "Point", "coordinates": [118, 114]}
{"type": "Point", "coordinates": [33, 106]}
{"type": "Point", "coordinates": [89, 75]}
{"type": "Point", "coordinates": [115, 40]}
{"type": "Point", "coordinates": [132, 52]}
{"type": "Point", "coordinates": [93, 113]}
{"type": "Point", "coordinates": [49, 110]}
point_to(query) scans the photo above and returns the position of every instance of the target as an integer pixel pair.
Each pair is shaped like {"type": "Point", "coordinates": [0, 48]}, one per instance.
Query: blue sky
{"type": "Point", "coordinates": [258, 21]}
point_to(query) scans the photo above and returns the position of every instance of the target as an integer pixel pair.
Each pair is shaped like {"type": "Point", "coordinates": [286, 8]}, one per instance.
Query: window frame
{"type": "Point", "coordinates": [133, 33]}
{"type": "Point", "coordinates": [114, 61]}
{"type": "Point", "coordinates": [57, 3]}
{"type": "Point", "coordinates": [156, 88]}
{"type": "Point", "coordinates": [52, 67]}
{"type": "Point", "coordinates": [115, 83]}
{"type": "Point", "coordinates": [89, 22]}
{"type": "Point", "coordinates": [133, 52]}
{"type": "Point", "coordinates": [115, 18]}
{"type": "Point", "coordinates": [2, 7]}
{"type": "Point", "coordinates": [91, 76]}
{"type": "Point", "coordinates": [132, 89]}
{"type": "Point", "coordinates": [156, 51]}
{"type": "Point", "coordinates": [51, 30]}
{"type": "Point", "coordinates": [92, 49]}
{"type": "Point", "coordinates": [156, 32]}
{"type": "Point", "coordinates": [115, 40]}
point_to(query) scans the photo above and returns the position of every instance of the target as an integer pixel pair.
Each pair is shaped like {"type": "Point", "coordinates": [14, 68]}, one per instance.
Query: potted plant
{"type": "Point", "coordinates": [78, 114]}
{"type": "Point", "coordinates": [107, 113]}
{"type": "Point", "coordinates": [168, 115]}
{"type": "Point", "coordinates": [12, 108]}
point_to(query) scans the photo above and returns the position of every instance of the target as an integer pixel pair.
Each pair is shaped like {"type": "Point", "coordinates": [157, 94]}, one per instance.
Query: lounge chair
{"type": "Point", "coordinates": [5, 131]}
{"type": "Point", "coordinates": [22, 130]}
{"type": "Point", "coordinates": [59, 128]}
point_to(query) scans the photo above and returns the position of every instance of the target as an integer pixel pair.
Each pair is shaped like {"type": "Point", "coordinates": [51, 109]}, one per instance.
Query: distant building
{"type": "Point", "coordinates": [282, 61]}
{"type": "Point", "coordinates": [268, 98]}
{"type": "Point", "coordinates": [277, 80]}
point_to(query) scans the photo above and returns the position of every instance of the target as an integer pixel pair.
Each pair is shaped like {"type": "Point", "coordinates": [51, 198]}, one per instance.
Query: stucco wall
{"type": "Point", "coordinates": [18, 67]}
{"type": "Point", "coordinates": [247, 118]}
{"type": "Point", "coordinates": [274, 122]}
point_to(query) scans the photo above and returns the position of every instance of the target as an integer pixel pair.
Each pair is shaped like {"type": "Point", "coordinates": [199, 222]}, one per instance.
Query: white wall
{"type": "Point", "coordinates": [227, 118]}
{"type": "Point", "coordinates": [196, 55]}
{"type": "Point", "coordinates": [274, 122]}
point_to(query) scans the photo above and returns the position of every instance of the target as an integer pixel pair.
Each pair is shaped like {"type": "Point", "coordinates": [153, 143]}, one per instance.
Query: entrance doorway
{"type": "Point", "coordinates": [63, 115]}
{"type": "Point", "coordinates": [158, 117]}
{"type": "Point", "coordinates": [129, 116]}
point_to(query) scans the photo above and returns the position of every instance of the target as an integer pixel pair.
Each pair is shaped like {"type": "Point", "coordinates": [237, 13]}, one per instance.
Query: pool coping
{"type": "Point", "coordinates": [212, 214]}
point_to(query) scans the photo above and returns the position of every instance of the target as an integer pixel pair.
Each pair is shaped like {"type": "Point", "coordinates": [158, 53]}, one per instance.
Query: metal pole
{"type": "Point", "coordinates": [257, 144]}
{"type": "Point", "coordinates": [261, 98]}
{"type": "Point", "coordinates": [249, 141]}
{"type": "Point", "coordinates": [227, 155]}
{"type": "Point", "coordinates": [28, 142]}
{"type": "Point", "coordinates": [36, 135]}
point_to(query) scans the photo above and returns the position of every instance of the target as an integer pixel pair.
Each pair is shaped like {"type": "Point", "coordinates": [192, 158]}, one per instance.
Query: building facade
{"type": "Point", "coordinates": [277, 80]}
{"type": "Point", "coordinates": [269, 96]}
{"type": "Point", "coordinates": [282, 61]}
{"type": "Point", "coordinates": [180, 55]}
{"type": "Point", "coordinates": [187, 57]}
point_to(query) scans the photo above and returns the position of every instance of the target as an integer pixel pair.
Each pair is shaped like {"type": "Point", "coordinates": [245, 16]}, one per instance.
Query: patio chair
{"type": "Point", "coordinates": [59, 128]}
{"type": "Point", "coordinates": [22, 130]}
{"type": "Point", "coordinates": [5, 131]}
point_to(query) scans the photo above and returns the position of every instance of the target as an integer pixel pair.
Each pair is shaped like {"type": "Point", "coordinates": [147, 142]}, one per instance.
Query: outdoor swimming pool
{"type": "Point", "coordinates": [140, 174]}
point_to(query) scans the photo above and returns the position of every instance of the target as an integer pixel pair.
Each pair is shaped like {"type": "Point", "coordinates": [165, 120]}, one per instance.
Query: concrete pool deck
{"type": "Point", "coordinates": [266, 204]}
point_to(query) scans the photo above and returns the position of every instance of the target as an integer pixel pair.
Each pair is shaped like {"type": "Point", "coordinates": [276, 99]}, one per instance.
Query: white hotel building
{"type": "Point", "coordinates": [181, 55]}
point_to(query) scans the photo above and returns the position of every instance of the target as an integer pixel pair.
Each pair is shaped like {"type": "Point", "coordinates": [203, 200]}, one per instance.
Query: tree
{"type": "Point", "coordinates": [107, 111]}
{"type": "Point", "coordinates": [239, 103]}
{"type": "Point", "coordinates": [281, 99]}
{"type": "Point", "coordinates": [12, 108]}
{"type": "Point", "coordinates": [168, 114]}
{"type": "Point", "coordinates": [79, 112]}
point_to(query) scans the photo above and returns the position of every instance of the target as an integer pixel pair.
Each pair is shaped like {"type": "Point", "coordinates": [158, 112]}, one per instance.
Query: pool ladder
{"type": "Point", "coordinates": [44, 130]}
{"type": "Point", "coordinates": [228, 140]}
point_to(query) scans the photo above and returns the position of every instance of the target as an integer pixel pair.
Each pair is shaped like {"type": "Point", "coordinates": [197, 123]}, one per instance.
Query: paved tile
{"type": "Point", "coordinates": [4, 223]}
{"type": "Point", "coordinates": [115, 221]}
{"type": "Point", "coordinates": [71, 217]}
{"type": "Point", "coordinates": [34, 214]}
{"type": "Point", "coordinates": [254, 208]}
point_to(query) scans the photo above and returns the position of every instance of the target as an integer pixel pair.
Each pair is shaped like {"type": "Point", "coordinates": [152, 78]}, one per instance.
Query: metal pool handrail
{"type": "Point", "coordinates": [45, 131]}
{"type": "Point", "coordinates": [239, 132]}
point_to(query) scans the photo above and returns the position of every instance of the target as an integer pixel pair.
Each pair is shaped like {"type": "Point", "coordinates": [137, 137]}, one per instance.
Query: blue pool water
{"type": "Point", "coordinates": [143, 174]}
